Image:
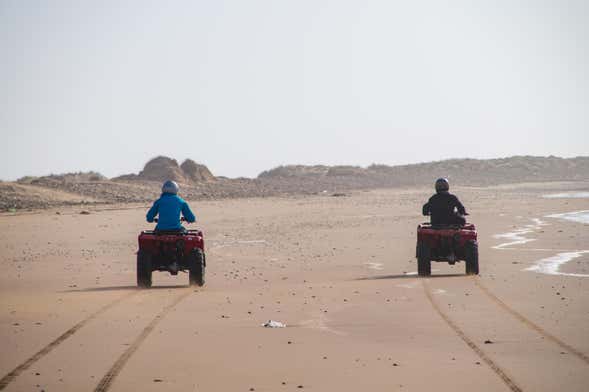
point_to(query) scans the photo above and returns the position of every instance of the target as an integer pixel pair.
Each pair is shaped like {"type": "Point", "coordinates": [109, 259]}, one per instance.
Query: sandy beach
{"type": "Point", "coordinates": [340, 272]}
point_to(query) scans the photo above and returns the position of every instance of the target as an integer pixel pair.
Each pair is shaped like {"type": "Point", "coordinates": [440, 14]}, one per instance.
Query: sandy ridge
{"type": "Point", "coordinates": [198, 183]}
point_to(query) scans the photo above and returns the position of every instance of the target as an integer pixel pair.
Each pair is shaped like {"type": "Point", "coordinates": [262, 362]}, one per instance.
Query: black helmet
{"type": "Point", "coordinates": [442, 185]}
{"type": "Point", "coordinates": [170, 187]}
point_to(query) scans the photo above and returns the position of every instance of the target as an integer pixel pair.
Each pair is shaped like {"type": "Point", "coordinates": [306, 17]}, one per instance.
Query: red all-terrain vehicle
{"type": "Point", "coordinates": [447, 243]}
{"type": "Point", "coordinates": [171, 251]}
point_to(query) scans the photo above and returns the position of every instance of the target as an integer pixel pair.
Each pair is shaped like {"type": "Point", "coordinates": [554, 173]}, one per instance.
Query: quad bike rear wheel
{"type": "Point", "coordinates": [196, 267]}
{"type": "Point", "coordinates": [144, 269]}
{"type": "Point", "coordinates": [424, 265]}
{"type": "Point", "coordinates": [471, 251]}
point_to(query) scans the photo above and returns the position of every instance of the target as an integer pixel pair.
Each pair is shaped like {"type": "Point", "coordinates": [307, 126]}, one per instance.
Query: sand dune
{"type": "Point", "coordinates": [198, 182]}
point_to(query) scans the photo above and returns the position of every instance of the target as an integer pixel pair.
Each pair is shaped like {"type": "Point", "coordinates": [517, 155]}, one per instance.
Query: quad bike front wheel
{"type": "Point", "coordinates": [471, 251]}
{"type": "Point", "coordinates": [143, 269]}
{"type": "Point", "coordinates": [196, 267]}
{"type": "Point", "coordinates": [424, 264]}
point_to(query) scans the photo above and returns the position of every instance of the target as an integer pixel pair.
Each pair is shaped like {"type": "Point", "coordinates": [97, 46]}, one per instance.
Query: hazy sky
{"type": "Point", "coordinates": [244, 86]}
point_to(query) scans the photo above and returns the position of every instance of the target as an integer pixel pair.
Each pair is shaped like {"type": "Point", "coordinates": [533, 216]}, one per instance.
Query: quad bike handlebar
{"type": "Point", "coordinates": [182, 219]}
{"type": "Point", "coordinates": [465, 213]}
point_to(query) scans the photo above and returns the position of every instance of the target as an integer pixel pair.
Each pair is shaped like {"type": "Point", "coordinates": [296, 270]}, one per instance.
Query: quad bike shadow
{"type": "Point", "coordinates": [171, 251]}
{"type": "Point", "coordinates": [447, 243]}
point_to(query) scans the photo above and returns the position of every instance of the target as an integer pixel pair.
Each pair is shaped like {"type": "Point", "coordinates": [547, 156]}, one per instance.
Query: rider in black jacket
{"type": "Point", "coordinates": [443, 207]}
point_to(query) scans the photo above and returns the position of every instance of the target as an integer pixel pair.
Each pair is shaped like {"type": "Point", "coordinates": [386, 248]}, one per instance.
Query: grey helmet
{"type": "Point", "coordinates": [170, 187]}
{"type": "Point", "coordinates": [442, 185]}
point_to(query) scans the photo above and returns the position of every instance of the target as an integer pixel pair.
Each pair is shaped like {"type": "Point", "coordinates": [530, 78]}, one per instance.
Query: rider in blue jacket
{"type": "Point", "coordinates": [169, 207]}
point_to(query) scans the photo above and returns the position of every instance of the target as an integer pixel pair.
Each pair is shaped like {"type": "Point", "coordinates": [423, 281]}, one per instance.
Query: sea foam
{"type": "Point", "coordinates": [551, 265]}
{"type": "Point", "coordinates": [574, 216]}
{"type": "Point", "coordinates": [517, 237]}
{"type": "Point", "coordinates": [567, 195]}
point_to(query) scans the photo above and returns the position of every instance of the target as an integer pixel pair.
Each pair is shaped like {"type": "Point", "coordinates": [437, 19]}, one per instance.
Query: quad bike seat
{"type": "Point", "coordinates": [447, 226]}
{"type": "Point", "coordinates": [454, 226]}
{"type": "Point", "coordinates": [169, 232]}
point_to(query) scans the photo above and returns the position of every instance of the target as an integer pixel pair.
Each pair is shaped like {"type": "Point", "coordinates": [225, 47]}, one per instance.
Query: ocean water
{"type": "Point", "coordinates": [551, 265]}
{"type": "Point", "coordinates": [567, 195]}
{"type": "Point", "coordinates": [574, 216]}
{"type": "Point", "coordinates": [518, 236]}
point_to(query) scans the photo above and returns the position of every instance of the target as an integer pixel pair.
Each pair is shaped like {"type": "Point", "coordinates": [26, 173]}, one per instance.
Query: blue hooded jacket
{"type": "Point", "coordinates": [169, 207]}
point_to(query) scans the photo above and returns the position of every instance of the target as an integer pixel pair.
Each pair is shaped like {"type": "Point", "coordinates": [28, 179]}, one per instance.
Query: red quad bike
{"type": "Point", "coordinates": [447, 243]}
{"type": "Point", "coordinates": [171, 251]}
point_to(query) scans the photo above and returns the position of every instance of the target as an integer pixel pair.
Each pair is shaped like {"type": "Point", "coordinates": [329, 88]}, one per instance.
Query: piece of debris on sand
{"type": "Point", "coordinates": [273, 324]}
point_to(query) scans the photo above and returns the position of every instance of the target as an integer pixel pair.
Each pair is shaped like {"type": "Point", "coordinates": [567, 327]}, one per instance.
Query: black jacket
{"type": "Point", "coordinates": [441, 207]}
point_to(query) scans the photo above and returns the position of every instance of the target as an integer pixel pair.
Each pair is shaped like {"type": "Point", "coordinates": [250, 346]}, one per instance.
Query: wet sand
{"type": "Point", "coordinates": [339, 271]}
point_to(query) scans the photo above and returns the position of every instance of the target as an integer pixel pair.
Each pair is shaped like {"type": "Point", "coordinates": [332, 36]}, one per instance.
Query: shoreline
{"type": "Point", "coordinates": [547, 265]}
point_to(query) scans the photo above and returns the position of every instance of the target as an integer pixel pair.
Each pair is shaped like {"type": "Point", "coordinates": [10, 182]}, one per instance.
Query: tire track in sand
{"type": "Point", "coordinates": [8, 378]}
{"type": "Point", "coordinates": [469, 342]}
{"type": "Point", "coordinates": [530, 324]}
{"type": "Point", "coordinates": [107, 380]}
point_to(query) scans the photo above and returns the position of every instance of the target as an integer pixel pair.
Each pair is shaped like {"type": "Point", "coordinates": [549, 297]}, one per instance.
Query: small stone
{"type": "Point", "coordinates": [158, 380]}
{"type": "Point", "coordinates": [488, 341]}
